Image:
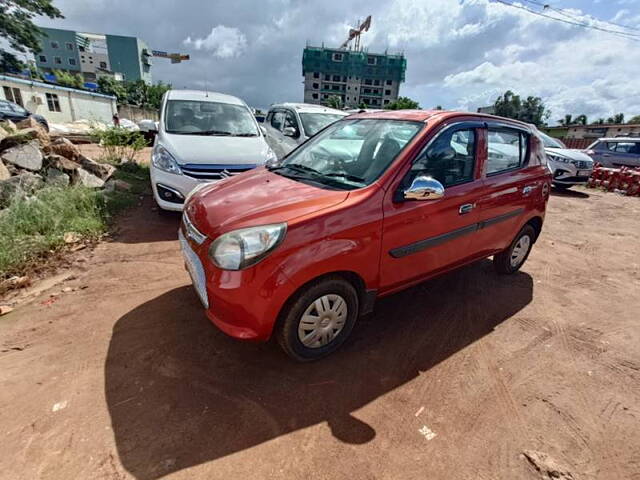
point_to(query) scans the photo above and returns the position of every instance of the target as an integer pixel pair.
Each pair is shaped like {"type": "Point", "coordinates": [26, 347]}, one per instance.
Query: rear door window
{"type": "Point", "coordinates": [506, 150]}
{"type": "Point", "coordinates": [277, 119]}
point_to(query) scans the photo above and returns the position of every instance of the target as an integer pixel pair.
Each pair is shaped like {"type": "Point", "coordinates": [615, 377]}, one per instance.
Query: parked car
{"type": "Point", "coordinates": [371, 205]}
{"type": "Point", "coordinates": [568, 167]}
{"type": "Point", "coordinates": [203, 137]}
{"type": "Point", "coordinates": [290, 124]}
{"type": "Point", "coordinates": [616, 152]}
{"type": "Point", "coordinates": [16, 113]}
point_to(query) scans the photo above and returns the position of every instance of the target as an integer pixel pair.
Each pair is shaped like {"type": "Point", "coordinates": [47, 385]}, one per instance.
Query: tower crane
{"type": "Point", "coordinates": [175, 57]}
{"type": "Point", "coordinates": [354, 34]}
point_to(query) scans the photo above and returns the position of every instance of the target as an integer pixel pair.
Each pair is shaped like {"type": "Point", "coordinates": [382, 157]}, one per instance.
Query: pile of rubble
{"type": "Point", "coordinates": [30, 160]}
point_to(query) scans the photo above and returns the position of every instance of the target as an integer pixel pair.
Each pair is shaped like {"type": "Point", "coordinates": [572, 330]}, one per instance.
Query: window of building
{"type": "Point", "coordinates": [69, 45]}
{"type": "Point", "coordinates": [507, 150]}
{"type": "Point", "coordinates": [450, 159]}
{"type": "Point", "coordinates": [81, 49]}
{"type": "Point", "coordinates": [52, 102]}
{"type": "Point", "coordinates": [367, 81]}
{"type": "Point", "coordinates": [376, 82]}
{"type": "Point", "coordinates": [372, 60]}
{"type": "Point", "coordinates": [348, 88]}
{"type": "Point", "coordinates": [104, 65]}
{"type": "Point", "coordinates": [389, 82]}
{"type": "Point", "coordinates": [387, 92]}
{"type": "Point", "coordinates": [316, 75]}
{"type": "Point", "coordinates": [327, 77]}
{"type": "Point", "coordinates": [314, 96]}
{"type": "Point", "coordinates": [337, 57]}
{"type": "Point", "coordinates": [57, 60]}
{"type": "Point", "coordinates": [13, 95]}
{"type": "Point", "coordinates": [386, 102]}
{"type": "Point", "coordinates": [336, 78]}
{"type": "Point", "coordinates": [316, 86]}
{"type": "Point", "coordinates": [325, 96]}
{"type": "Point", "coordinates": [42, 58]}
{"type": "Point", "coordinates": [72, 61]}
{"type": "Point", "coordinates": [55, 45]}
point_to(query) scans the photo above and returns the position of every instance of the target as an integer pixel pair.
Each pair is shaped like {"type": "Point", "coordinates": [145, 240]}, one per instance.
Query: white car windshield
{"type": "Point", "coordinates": [349, 154]}
{"type": "Point", "coordinates": [192, 117]}
{"type": "Point", "coordinates": [314, 122]}
{"type": "Point", "coordinates": [550, 142]}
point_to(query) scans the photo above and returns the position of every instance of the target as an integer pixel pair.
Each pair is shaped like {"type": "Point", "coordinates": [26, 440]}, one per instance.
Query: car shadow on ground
{"type": "Point", "coordinates": [145, 224]}
{"type": "Point", "coordinates": [181, 393]}
{"type": "Point", "coordinates": [569, 193]}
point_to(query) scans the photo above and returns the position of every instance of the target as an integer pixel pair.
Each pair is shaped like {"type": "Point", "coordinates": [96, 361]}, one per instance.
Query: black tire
{"type": "Point", "coordinates": [561, 187]}
{"type": "Point", "coordinates": [291, 315]}
{"type": "Point", "coordinates": [502, 261]}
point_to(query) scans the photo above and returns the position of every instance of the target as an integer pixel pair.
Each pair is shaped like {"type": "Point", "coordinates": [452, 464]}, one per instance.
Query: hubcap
{"type": "Point", "coordinates": [520, 250]}
{"type": "Point", "coordinates": [322, 321]}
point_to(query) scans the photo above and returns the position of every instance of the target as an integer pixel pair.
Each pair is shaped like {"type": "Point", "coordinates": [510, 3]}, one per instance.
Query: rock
{"type": "Point", "coordinates": [547, 466]}
{"type": "Point", "coordinates": [15, 282]}
{"type": "Point", "coordinates": [8, 126]}
{"type": "Point", "coordinates": [4, 172]}
{"type": "Point", "coordinates": [28, 122]}
{"type": "Point", "coordinates": [4, 309]}
{"type": "Point", "coordinates": [82, 177]}
{"type": "Point", "coordinates": [62, 146]}
{"type": "Point", "coordinates": [101, 170]}
{"type": "Point", "coordinates": [57, 178]}
{"type": "Point", "coordinates": [24, 136]}
{"type": "Point", "coordinates": [115, 184]}
{"type": "Point", "coordinates": [61, 163]}
{"type": "Point", "coordinates": [27, 156]}
{"type": "Point", "coordinates": [19, 186]}
{"type": "Point", "coordinates": [3, 134]}
{"type": "Point", "coordinates": [72, 237]}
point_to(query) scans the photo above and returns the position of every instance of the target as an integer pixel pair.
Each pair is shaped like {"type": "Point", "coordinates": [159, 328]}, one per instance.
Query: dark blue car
{"type": "Point", "coordinates": [15, 113]}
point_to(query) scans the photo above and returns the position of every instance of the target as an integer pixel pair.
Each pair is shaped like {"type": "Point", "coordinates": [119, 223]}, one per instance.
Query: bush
{"type": "Point", "coordinates": [119, 143]}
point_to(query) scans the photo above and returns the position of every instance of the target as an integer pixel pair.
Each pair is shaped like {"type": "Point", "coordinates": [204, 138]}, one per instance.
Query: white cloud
{"type": "Point", "coordinates": [224, 42]}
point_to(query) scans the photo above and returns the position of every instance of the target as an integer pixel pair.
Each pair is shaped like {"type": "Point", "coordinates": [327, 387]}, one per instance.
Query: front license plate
{"type": "Point", "coordinates": [584, 173]}
{"type": "Point", "coordinates": [195, 269]}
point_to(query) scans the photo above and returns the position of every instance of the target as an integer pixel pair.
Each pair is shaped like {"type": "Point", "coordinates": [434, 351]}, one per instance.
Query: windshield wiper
{"type": "Point", "coordinates": [346, 176]}
{"type": "Point", "coordinates": [212, 132]}
{"type": "Point", "coordinates": [299, 167]}
{"type": "Point", "coordinates": [245, 134]}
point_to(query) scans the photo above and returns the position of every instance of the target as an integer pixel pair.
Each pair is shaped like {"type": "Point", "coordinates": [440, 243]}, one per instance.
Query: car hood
{"type": "Point", "coordinates": [257, 197]}
{"type": "Point", "coordinates": [211, 149]}
{"type": "Point", "coordinates": [568, 153]}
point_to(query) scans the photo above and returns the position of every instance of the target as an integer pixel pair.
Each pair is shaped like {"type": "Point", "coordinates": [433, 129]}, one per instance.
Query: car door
{"type": "Point", "coordinates": [509, 184]}
{"type": "Point", "coordinates": [625, 154]}
{"type": "Point", "coordinates": [423, 237]}
{"type": "Point", "coordinates": [274, 126]}
{"type": "Point", "coordinates": [290, 141]}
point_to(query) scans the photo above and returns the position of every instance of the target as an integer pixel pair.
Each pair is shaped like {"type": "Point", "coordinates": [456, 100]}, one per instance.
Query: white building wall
{"type": "Point", "coordinates": [74, 104]}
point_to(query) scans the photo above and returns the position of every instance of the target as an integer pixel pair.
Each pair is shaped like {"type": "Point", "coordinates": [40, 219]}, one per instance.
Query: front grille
{"type": "Point", "coordinates": [581, 164]}
{"type": "Point", "coordinates": [213, 171]}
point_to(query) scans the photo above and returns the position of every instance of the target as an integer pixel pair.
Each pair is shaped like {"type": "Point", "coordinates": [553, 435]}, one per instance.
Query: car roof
{"type": "Point", "coordinates": [619, 139]}
{"type": "Point", "coordinates": [203, 95]}
{"type": "Point", "coordinates": [308, 108]}
{"type": "Point", "coordinates": [440, 115]}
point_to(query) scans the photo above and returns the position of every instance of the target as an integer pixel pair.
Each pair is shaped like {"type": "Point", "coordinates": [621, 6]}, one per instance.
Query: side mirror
{"type": "Point", "coordinates": [424, 188]}
{"type": "Point", "coordinates": [290, 132]}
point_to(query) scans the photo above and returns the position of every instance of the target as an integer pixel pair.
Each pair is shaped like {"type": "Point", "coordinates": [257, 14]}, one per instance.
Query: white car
{"type": "Point", "coordinates": [202, 137]}
{"type": "Point", "coordinates": [290, 124]}
{"type": "Point", "coordinates": [569, 167]}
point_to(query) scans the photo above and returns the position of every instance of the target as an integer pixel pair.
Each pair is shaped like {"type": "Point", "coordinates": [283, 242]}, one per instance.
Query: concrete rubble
{"type": "Point", "coordinates": [30, 159]}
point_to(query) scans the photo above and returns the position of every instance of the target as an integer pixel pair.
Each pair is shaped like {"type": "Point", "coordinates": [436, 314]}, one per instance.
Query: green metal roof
{"type": "Point", "coordinates": [320, 59]}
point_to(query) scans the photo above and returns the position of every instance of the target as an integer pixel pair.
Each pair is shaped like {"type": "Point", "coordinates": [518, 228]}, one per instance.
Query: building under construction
{"type": "Point", "coordinates": [356, 76]}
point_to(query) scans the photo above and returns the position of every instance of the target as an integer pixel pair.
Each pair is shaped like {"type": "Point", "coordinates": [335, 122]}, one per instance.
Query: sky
{"type": "Point", "coordinates": [461, 54]}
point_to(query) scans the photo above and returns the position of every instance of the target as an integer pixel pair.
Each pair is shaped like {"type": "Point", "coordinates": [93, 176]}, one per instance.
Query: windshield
{"type": "Point", "coordinates": [189, 117]}
{"type": "Point", "coordinates": [550, 142]}
{"type": "Point", "coordinates": [314, 122]}
{"type": "Point", "coordinates": [349, 154]}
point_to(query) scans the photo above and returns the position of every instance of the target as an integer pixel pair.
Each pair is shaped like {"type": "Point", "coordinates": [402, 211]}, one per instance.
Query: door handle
{"type": "Point", "coordinates": [466, 208]}
{"type": "Point", "coordinates": [528, 189]}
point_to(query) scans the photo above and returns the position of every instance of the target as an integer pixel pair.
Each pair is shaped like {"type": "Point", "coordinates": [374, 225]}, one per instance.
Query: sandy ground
{"type": "Point", "coordinates": [94, 151]}
{"type": "Point", "coordinates": [124, 377]}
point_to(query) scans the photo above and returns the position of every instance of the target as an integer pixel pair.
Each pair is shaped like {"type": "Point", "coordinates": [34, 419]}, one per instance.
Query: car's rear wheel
{"type": "Point", "coordinates": [510, 260]}
{"type": "Point", "coordinates": [319, 319]}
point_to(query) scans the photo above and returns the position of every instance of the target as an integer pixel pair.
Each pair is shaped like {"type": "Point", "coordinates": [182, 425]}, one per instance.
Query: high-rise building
{"type": "Point", "coordinates": [356, 76]}
{"type": "Point", "coordinates": [94, 55]}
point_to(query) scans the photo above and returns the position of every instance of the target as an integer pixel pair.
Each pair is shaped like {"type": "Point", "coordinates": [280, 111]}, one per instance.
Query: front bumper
{"type": "Point", "coordinates": [569, 174]}
{"type": "Point", "coordinates": [244, 304]}
{"type": "Point", "coordinates": [179, 184]}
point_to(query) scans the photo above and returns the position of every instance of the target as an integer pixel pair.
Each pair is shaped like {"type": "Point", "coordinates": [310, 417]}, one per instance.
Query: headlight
{"type": "Point", "coordinates": [163, 160]}
{"type": "Point", "coordinates": [245, 247]}
{"type": "Point", "coordinates": [557, 158]}
{"type": "Point", "coordinates": [271, 160]}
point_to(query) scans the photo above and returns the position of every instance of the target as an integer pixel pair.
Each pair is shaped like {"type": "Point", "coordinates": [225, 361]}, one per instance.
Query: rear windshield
{"type": "Point", "coordinates": [314, 122]}
{"type": "Point", "coordinates": [194, 117]}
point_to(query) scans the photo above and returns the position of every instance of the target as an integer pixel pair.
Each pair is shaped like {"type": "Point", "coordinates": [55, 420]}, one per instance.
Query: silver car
{"type": "Point", "coordinates": [289, 124]}
{"type": "Point", "coordinates": [569, 167]}
{"type": "Point", "coordinates": [616, 152]}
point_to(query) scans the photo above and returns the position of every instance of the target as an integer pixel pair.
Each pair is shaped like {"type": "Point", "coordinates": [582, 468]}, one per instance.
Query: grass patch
{"type": "Point", "coordinates": [31, 228]}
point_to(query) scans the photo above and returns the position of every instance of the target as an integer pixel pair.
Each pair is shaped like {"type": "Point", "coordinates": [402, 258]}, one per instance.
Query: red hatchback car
{"type": "Point", "coordinates": [372, 204]}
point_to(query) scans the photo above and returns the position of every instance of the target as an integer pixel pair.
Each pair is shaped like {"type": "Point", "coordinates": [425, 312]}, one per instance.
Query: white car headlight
{"type": "Point", "coordinates": [163, 160]}
{"type": "Point", "coordinates": [271, 159]}
{"type": "Point", "coordinates": [557, 158]}
{"type": "Point", "coordinates": [247, 246]}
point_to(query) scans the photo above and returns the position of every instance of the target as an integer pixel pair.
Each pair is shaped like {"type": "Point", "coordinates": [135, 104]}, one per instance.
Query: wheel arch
{"type": "Point", "coordinates": [536, 223]}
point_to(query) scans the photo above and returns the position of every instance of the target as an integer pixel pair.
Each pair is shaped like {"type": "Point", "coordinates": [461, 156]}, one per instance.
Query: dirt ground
{"type": "Point", "coordinates": [94, 151]}
{"type": "Point", "coordinates": [123, 376]}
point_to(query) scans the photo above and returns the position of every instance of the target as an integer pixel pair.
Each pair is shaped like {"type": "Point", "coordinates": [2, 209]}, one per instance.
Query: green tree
{"type": "Point", "coordinates": [567, 120]}
{"type": "Point", "coordinates": [110, 86]}
{"type": "Point", "coordinates": [530, 110]}
{"type": "Point", "coordinates": [581, 119]}
{"type": "Point", "coordinates": [438, 107]}
{"type": "Point", "coordinates": [334, 101]}
{"type": "Point", "coordinates": [634, 120]}
{"type": "Point", "coordinates": [19, 31]}
{"type": "Point", "coordinates": [403, 103]}
{"type": "Point", "coordinates": [617, 118]}
{"type": "Point", "coordinates": [362, 106]}
{"type": "Point", "coordinates": [599, 121]}
{"type": "Point", "coordinates": [68, 79]}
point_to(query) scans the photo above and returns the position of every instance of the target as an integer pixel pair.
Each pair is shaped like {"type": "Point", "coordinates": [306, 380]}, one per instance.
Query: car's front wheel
{"type": "Point", "coordinates": [319, 319]}
{"type": "Point", "coordinates": [510, 260]}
